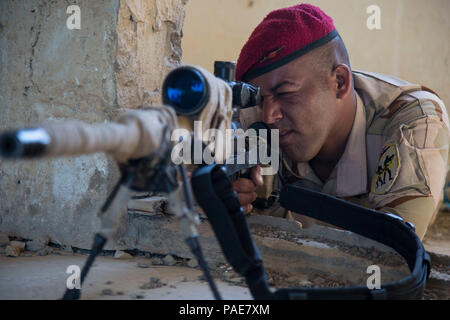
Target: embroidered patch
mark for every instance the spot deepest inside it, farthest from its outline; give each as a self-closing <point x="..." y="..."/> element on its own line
<point x="272" y="54"/>
<point x="387" y="169"/>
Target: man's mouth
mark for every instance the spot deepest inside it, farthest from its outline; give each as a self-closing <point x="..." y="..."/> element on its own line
<point x="284" y="134"/>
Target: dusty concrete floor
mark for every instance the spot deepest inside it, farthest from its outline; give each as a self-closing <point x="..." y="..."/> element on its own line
<point x="286" y="257"/>
<point x="44" y="277"/>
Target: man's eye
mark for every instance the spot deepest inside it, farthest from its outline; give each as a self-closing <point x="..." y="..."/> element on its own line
<point x="283" y="93"/>
<point x="261" y="102"/>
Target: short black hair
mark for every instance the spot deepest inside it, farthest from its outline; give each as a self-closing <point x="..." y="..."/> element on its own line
<point x="328" y="56"/>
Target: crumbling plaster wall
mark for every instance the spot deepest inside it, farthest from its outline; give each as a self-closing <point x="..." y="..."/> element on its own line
<point x="149" y="46"/>
<point x="117" y="60"/>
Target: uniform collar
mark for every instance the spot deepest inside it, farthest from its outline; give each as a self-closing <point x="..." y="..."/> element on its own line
<point x="349" y="176"/>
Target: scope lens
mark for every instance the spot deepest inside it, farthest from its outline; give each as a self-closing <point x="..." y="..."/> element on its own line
<point x="185" y="90"/>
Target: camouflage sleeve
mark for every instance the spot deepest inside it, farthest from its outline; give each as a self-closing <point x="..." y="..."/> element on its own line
<point x="413" y="164"/>
<point x="420" y="211"/>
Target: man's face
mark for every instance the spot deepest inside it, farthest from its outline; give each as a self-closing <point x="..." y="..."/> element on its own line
<point x="301" y="104"/>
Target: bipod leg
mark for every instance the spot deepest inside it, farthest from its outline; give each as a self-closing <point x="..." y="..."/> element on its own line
<point x="99" y="239"/>
<point x="97" y="247"/>
<point x="192" y="239"/>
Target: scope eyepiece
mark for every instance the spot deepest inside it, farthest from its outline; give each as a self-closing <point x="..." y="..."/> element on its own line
<point x="245" y="95"/>
<point x="186" y="90"/>
<point x="225" y="70"/>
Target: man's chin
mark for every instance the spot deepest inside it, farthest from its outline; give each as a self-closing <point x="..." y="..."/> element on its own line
<point x="296" y="154"/>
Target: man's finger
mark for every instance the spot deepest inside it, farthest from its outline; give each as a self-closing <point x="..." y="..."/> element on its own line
<point x="248" y="208"/>
<point x="256" y="175"/>
<point x="243" y="185"/>
<point x="246" y="198"/>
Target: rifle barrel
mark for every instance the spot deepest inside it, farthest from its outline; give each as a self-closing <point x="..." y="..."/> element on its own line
<point x="24" y="143"/>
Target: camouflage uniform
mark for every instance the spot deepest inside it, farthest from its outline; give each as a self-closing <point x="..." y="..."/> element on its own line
<point x="396" y="157"/>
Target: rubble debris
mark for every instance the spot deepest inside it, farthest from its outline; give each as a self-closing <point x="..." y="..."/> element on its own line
<point x="305" y="283"/>
<point x="14" y="248"/>
<point x="107" y="292"/>
<point x="157" y="261"/>
<point x="237" y="280"/>
<point x="45" y="251"/>
<point x="319" y="280"/>
<point x="12" y="251"/>
<point x="143" y="265"/>
<point x="153" y="284"/>
<point x="169" y="260"/>
<point x="122" y="255"/>
<point x="67" y="249"/>
<point x="18" y="244"/>
<point x="37" y="244"/>
<point x="157" y="280"/>
<point x="64" y="251"/>
<point x="193" y="263"/>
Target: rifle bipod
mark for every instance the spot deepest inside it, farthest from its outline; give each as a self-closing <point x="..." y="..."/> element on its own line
<point x="154" y="173"/>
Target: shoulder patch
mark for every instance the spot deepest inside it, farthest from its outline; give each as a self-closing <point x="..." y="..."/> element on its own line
<point x="387" y="169"/>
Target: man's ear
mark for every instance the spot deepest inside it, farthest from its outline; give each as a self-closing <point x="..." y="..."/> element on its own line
<point x="343" y="80"/>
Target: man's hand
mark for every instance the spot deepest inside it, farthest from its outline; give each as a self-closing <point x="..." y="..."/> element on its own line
<point x="245" y="188"/>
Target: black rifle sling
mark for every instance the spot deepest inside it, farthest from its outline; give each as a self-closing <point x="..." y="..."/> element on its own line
<point x="383" y="227"/>
<point x="215" y="195"/>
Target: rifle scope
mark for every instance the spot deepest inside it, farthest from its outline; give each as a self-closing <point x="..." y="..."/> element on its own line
<point x="187" y="91"/>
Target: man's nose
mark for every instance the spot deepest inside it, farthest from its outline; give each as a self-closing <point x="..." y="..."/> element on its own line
<point x="271" y="112"/>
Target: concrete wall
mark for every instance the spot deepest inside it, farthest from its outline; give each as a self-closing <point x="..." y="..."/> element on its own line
<point x="116" y="60"/>
<point x="412" y="43"/>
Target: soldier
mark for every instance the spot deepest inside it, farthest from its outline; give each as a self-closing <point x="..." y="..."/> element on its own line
<point x="368" y="138"/>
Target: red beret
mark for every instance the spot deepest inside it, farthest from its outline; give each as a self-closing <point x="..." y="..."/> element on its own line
<point x="284" y="35"/>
